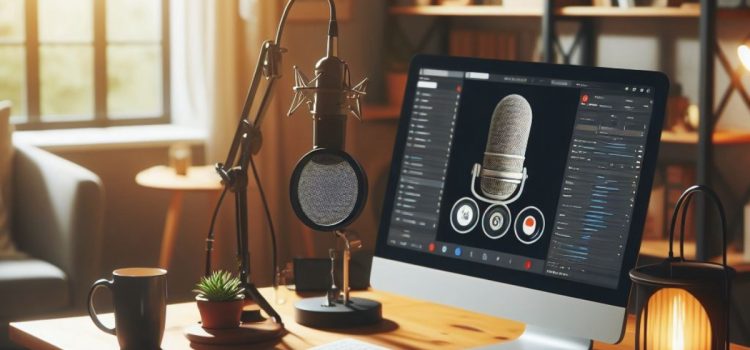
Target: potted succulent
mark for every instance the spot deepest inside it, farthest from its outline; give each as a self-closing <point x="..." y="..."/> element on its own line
<point x="220" y="299"/>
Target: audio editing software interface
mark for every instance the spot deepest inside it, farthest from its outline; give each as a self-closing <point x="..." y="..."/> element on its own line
<point x="526" y="173"/>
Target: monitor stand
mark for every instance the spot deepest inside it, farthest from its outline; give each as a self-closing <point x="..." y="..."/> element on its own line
<point x="540" y="338"/>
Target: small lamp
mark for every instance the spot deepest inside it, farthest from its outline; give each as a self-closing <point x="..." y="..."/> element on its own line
<point x="744" y="52"/>
<point x="684" y="304"/>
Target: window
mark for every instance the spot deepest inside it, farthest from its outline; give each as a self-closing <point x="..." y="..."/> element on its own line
<point x="85" y="63"/>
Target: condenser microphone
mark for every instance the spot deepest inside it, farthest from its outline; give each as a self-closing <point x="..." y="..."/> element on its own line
<point x="328" y="188"/>
<point x="502" y="169"/>
<point x="330" y="96"/>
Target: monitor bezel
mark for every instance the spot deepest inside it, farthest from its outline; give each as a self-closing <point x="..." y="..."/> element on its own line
<point x="615" y="297"/>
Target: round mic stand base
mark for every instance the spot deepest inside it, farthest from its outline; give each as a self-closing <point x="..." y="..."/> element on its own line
<point x="316" y="313"/>
<point x="338" y="310"/>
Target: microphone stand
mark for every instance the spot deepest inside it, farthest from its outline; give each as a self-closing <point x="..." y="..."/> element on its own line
<point x="233" y="172"/>
<point x="248" y="141"/>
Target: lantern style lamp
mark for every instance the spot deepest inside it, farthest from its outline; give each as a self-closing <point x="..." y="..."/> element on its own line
<point x="744" y="52"/>
<point x="682" y="304"/>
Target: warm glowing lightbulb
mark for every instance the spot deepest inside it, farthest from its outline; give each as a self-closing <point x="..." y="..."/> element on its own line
<point x="678" y="323"/>
<point x="675" y="320"/>
<point x="744" y="52"/>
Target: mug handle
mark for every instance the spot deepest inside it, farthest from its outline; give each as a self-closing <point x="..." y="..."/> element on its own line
<point x="92" y="312"/>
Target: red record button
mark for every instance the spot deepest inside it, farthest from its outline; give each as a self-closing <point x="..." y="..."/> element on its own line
<point x="431" y="247"/>
<point x="527" y="264"/>
<point x="529" y="225"/>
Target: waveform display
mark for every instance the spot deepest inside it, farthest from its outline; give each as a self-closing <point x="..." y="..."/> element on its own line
<point x="599" y="186"/>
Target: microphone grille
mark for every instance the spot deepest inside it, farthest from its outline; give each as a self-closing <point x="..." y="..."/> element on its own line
<point x="510" y="126"/>
<point x="508" y="135"/>
<point x="327" y="190"/>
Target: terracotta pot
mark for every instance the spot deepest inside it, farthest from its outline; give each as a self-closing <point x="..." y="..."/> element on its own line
<point x="220" y="314"/>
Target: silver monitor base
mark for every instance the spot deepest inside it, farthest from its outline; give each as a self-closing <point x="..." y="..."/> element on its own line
<point x="534" y="338"/>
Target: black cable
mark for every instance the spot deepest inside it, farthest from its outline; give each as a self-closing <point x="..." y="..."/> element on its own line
<point x="268" y="218"/>
<point x="210" y="237"/>
<point x="333" y="27"/>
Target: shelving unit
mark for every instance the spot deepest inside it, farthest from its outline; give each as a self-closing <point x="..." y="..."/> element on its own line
<point x="706" y="14"/>
<point x="586" y="16"/>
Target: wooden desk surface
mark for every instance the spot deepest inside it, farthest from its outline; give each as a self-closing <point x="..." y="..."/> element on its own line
<point x="408" y="324"/>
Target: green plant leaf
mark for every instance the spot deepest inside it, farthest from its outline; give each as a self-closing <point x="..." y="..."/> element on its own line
<point x="220" y="286"/>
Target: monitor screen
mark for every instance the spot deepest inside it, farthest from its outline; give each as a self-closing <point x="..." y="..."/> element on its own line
<point x="525" y="174"/>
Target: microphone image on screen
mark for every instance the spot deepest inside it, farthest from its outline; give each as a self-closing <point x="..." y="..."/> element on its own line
<point x="502" y="173"/>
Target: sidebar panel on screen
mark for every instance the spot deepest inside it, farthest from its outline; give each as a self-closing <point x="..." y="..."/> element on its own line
<point x="601" y="179"/>
<point x="430" y="134"/>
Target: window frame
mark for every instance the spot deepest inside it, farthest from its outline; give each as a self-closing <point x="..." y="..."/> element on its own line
<point x="100" y="117"/>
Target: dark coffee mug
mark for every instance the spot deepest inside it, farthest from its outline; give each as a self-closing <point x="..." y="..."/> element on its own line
<point x="140" y="300"/>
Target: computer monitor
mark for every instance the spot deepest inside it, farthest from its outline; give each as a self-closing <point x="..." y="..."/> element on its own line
<point x="520" y="190"/>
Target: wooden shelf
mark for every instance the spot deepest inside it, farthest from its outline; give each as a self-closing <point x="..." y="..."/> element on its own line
<point x="646" y="12"/>
<point x="660" y="12"/>
<point x="465" y="11"/>
<point x="720" y="137"/>
<point x="567" y="11"/>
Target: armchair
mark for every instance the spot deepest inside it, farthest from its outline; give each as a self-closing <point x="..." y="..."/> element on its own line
<point x="58" y="209"/>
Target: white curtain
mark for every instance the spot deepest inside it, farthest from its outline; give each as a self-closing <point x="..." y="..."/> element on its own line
<point x="213" y="57"/>
<point x="204" y="61"/>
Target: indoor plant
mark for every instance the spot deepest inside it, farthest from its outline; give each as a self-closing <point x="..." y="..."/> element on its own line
<point x="220" y="299"/>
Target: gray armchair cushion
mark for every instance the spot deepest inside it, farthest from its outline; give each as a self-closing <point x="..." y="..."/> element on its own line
<point x="29" y="287"/>
<point x="58" y="215"/>
<point x="7" y="249"/>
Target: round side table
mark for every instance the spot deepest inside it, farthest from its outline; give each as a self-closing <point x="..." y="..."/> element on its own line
<point x="197" y="179"/>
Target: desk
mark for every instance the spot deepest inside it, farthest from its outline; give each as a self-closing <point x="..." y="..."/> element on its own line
<point x="409" y="324"/>
<point x="197" y="179"/>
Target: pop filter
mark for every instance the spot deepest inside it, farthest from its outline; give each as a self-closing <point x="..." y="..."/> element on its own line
<point x="328" y="189"/>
